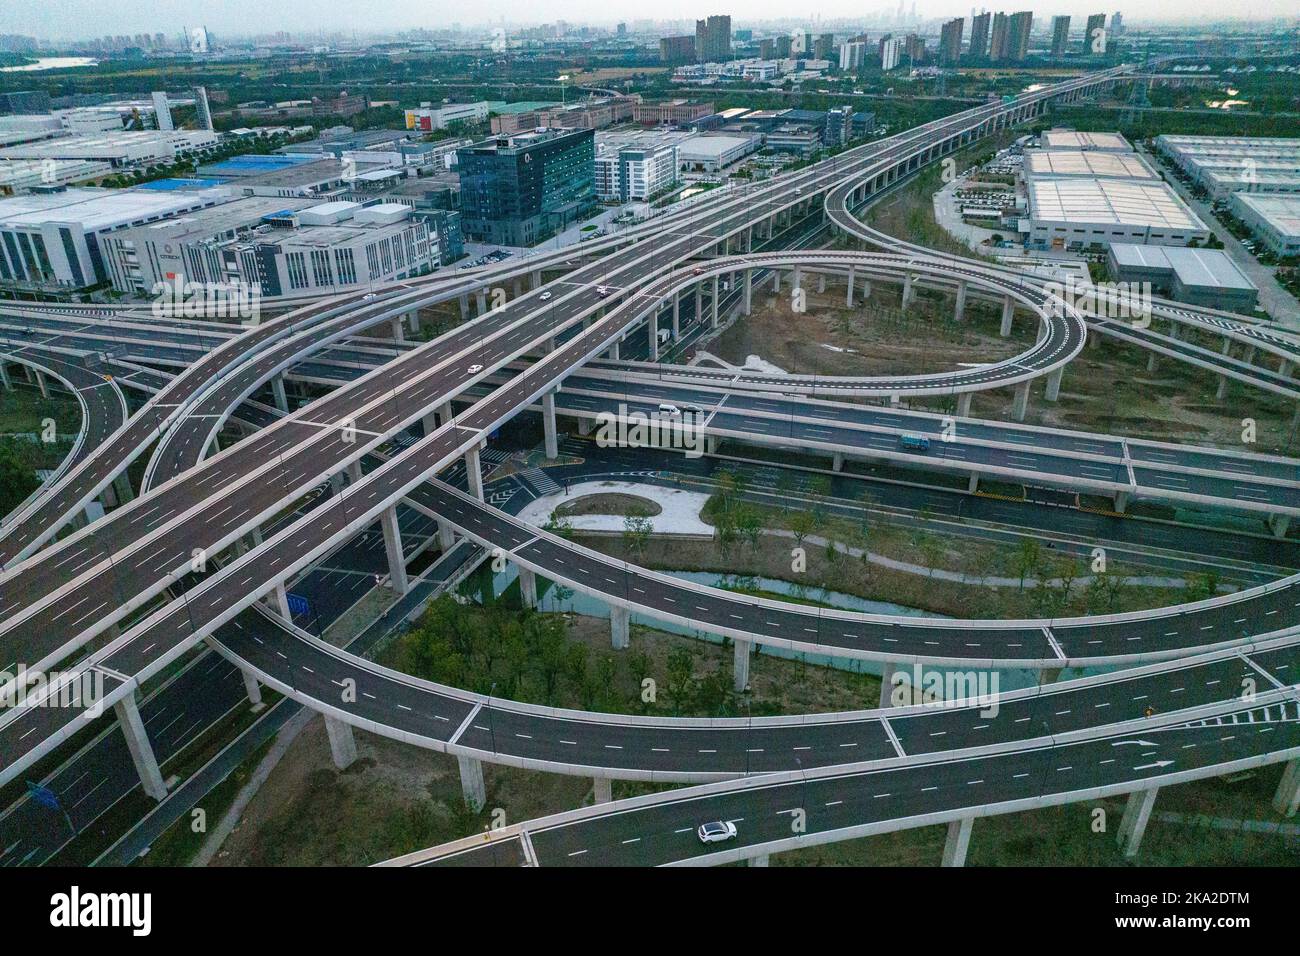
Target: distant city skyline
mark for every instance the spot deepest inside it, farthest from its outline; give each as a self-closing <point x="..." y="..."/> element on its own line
<point x="70" y="20"/>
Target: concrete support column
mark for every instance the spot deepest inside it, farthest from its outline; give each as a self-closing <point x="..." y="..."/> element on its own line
<point x="677" y="316"/>
<point x="620" y="630"/>
<point x="1278" y="524"/>
<point x="958" y="841"/>
<point x="445" y="413"/>
<point x="5" y="380"/>
<point x="43" y="383"/>
<point x="760" y="860"/>
<point x="699" y="302"/>
<point x="137" y="742"/>
<point x="959" y="310"/>
<point x="548" y="426"/>
<point x="393" y="546"/>
<point x="963" y="404"/>
<point x="1021" y="404"/>
<point x="614" y="350"/>
<point x="1134" y="822"/>
<point x="796" y="279"/>
<point x="1221" y="389"/>
<point x="1287" y="799"/>
<point x="714" y="304"/>
<point x="527" y="588"/>
<point x="652" y="334"/>
<point x="397" y="334"/>
<point x="848" y="295"/>
<point x="837" y="461"/>
<point x="343" y="744"/>
<point x="749" y="292"/>
<point x="472" y="787"/>
<point x="480" y="300"/>
<point x="1121" y="502"/>
<point x="122" y="488"/>
<point x="821" y="282"/>
<point x="535" y="277"/>
<point x="1151" y="362"/>
<point x="464" y="307"/>
<point x="446" y="535"/>
<point x="973" y="483"/>
<point x="278" y="599"/>
<point x="602" y="789"/>
<point x="740" y="664"/>
<point x="1054" y="384"/>
<point x="584" y="426"/>
<point x="776" y="280"/>
<point x="252" y="688"/>
<point x="1283" y="369"/>
<point x="907" y="290"/>
<point x="474" y="473"/>
<point x="277" y="390"/>
<point x="429" y="422"/>
<point x="887" y="684"/>
<point x="355" y="473"/>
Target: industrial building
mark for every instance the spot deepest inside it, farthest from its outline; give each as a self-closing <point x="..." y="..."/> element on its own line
<point x="1073" y="139"/>
<point x="430" y="117"/>
<point x="670" y="112"/>
<point x="20" y="175"/>
<point x="636" y="165"/>
<point x="1204" y="277"/>
<point x="300" y="248"/>
<point x="1085" y="212"/>
<point x="284" y="175"/>
<point x="119" y="149"/>
<point x="715" y="152"/>
<point x="1075" y="163"/>
<point x="519" y="190"/>
<point x="52" y="239"/>
<point x="1227" y="164"/>
<point x="1274" y="219"/>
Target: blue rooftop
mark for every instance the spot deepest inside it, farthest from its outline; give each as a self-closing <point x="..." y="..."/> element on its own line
<point x="169" y="185"/>
<point x="253" y="163"/>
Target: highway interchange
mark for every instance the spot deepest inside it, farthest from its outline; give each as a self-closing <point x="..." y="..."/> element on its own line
<point x="93" y="578"/>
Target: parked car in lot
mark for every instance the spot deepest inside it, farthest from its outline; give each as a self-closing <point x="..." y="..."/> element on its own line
<point x="717" y="831"/>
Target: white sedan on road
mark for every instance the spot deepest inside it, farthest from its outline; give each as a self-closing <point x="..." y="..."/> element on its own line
<point x="718" y="831"/>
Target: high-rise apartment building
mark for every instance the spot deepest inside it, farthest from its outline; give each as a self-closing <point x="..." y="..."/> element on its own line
<point x="677" y="51"/>
<point x="1094" y="37"/>
<point x="1019" y="25"/>
<point x="950" y="41"/>
<point x="979" y="35"/>
<point x="998" y="36"/>
<point x="713" y="39"/>
<point x="1060" y="34"/>
<point x="891" y="52"/>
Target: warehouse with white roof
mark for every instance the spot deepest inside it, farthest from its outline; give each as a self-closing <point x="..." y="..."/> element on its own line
<point x="1205" y="277"/>
<point x="1079" y="213"/>
<point x="1275" y="219"/>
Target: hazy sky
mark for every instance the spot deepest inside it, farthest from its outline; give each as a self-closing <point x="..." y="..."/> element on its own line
<point x="70" y="19"/>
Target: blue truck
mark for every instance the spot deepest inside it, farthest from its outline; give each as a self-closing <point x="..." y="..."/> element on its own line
<point x="914" y="442"/>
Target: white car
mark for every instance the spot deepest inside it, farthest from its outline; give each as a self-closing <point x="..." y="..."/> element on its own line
<point x="667" y="408"/>
<point x="718" y="831"/>
<point x="368" y="297"/>
<point x="603" y="290"/>
<point x="544" y="296"/>
<point x="475" y="369"/>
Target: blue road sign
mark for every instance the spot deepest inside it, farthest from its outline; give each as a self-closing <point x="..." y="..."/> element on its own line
<point x="298" y="604"/>
<point x="43" y="795"/>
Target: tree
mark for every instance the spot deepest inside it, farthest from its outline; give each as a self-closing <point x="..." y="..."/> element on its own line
<point x="1027" y="558"/>
<point x="636" y="534"/>
<point x="749" y="524"/>
<point x="801" y="523"/>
